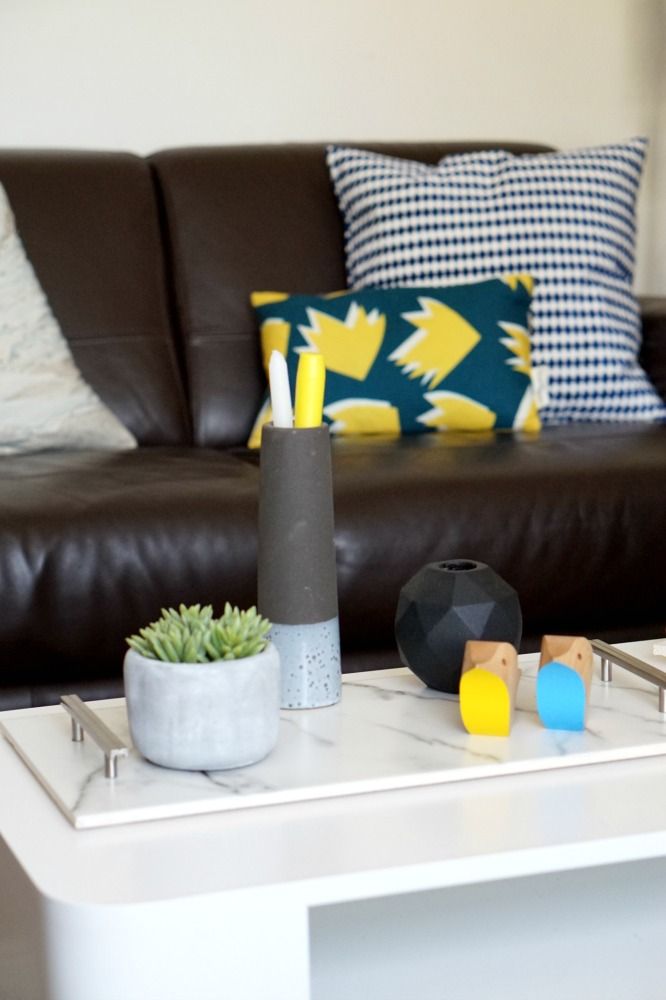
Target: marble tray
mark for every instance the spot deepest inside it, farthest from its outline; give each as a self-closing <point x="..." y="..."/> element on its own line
<point x="388" y="732"/>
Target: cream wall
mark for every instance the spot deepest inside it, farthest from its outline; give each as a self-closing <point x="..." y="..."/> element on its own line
<point x="144" y="74"/>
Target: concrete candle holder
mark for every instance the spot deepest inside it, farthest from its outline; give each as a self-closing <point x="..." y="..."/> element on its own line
<point x="297" y="581"/>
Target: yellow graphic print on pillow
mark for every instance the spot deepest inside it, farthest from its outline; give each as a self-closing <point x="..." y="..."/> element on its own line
<point x="452" y="411"/>
<point x="349" y="346"/>
<point x="363" y="416"/>
<point x="442" y="340"/>
<point x="274" y="337"/>
<point x="518" y="342"/>
<point x="513" y="280"/>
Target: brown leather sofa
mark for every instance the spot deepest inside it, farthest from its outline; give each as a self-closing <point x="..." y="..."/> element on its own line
<point x="148" y="263"/>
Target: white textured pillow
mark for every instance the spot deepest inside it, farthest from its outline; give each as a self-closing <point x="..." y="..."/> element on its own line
<point x="44" y="401"/>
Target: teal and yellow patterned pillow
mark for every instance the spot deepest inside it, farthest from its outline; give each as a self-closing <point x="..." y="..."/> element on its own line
<point x="410" y="360"/>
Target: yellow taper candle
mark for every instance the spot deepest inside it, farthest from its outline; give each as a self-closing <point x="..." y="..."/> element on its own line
<point x="310" y="382"/>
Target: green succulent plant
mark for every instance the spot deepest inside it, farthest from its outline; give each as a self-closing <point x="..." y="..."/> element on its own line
<point x="193" y="635"/>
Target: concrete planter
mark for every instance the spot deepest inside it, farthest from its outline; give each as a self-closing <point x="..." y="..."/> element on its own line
<point x="203" y="716"/>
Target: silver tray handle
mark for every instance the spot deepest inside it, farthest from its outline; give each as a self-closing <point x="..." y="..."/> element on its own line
<point x="609" y="655"/>
<point x="84" y="719"/>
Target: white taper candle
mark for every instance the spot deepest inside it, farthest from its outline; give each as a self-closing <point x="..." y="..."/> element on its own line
<point x="278" y="377"/>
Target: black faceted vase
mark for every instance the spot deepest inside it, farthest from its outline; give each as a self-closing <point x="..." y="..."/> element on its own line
<point x="444" y="605"/>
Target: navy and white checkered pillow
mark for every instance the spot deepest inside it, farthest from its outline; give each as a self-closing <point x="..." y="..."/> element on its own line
<point x="566" y="218"/>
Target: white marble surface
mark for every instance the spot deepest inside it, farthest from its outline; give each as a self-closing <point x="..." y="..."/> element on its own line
<point x="388" y="732"/>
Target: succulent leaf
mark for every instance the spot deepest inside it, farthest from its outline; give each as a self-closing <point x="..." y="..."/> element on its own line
<point x="193" y="635"/>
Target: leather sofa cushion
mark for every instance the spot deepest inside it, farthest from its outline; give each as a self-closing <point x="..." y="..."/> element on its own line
<point x="572" y="518"/>
<point x="94" y="544"/>
<point x="89" y="223"/>
<point x="653" y="347"/>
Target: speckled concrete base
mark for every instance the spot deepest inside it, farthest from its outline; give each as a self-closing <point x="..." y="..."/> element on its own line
<point x="310" y="663"/>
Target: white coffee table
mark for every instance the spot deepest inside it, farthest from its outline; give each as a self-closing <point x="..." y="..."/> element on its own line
<point x="546" y="884"/>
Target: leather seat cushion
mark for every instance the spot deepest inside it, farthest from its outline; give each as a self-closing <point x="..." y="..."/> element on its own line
<point x="94" y="545"/>
<point x="572" y="518"/>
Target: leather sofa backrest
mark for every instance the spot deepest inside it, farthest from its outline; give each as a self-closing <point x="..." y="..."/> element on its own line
<point x="239" y="219"/>
<point x="653" y="346"/>
<point x="90" y="226"/>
